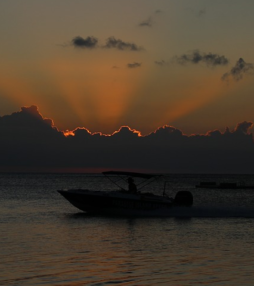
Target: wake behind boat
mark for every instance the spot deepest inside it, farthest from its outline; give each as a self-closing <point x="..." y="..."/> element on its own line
<point x="127" y="202"/>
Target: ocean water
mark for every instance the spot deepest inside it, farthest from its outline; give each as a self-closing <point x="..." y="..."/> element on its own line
<point x="46" y="241"/>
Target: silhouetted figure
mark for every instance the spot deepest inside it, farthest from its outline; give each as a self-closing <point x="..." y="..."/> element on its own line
<point x="132" y="186"/>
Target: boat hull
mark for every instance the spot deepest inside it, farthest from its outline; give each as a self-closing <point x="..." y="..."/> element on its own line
<point x="117" y="203"/>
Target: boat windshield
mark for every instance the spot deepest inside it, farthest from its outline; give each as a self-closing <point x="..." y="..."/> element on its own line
<point x="116" y="176"/>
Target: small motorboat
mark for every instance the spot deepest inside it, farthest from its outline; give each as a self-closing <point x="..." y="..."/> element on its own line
<point x="127" y="202"/>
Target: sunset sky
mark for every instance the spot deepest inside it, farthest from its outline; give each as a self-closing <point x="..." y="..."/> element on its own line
<point x="101" y="64"/>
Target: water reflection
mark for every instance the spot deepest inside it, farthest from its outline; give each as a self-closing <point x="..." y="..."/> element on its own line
<point x="44" y="241"/>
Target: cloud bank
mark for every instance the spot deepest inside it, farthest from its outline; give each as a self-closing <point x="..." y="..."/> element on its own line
<point x="30" y="142"/>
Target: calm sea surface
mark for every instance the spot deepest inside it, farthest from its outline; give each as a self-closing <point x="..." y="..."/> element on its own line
<point x="46" y="241"/>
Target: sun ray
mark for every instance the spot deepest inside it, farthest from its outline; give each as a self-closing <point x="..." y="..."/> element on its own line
<point x="197" y="97"/>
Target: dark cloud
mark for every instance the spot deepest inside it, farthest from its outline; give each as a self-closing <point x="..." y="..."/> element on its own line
<point x="201" y="12"/>
<point x="244" y="127"/>
<point x="240" y="69"/>
<point x="30" y="142"/>
<point x="196" y="57"/>
<point x="147" y="23"/>
<point x="26" y="120"/>
<point x="113" y="43"/>
<point x="89" y="42"/>
<point x="134" y="65"/>
<point x="161" y="63"/>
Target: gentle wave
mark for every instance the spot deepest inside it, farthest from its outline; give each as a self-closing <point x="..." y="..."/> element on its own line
<point x="46" y="241"/>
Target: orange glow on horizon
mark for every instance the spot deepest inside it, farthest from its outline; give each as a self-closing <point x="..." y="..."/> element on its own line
<point x="17" y="89"/>
<point x="134" y="131"/>
<point x="108" y="98"/>
<point x="100" y="96"/>
<point x="72" y="132"/>
<point x="196" y="99"/>
<point x="68" y="133"/>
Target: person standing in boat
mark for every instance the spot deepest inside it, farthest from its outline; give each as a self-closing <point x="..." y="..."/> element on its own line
<point x="132" y="186"/>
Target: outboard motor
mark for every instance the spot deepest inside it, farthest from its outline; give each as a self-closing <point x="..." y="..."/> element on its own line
<point x="183" y="198"/>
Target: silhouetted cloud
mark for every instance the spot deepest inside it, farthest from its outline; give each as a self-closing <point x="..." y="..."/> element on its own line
<point x="161" y="63"/>
<point x="113" y="43"/>
<point x="134" y="65"/>
<point x="30" y="142"/>
<point x="197" y="57"/>
<point x="201" y="12"/>
<point x="244" y="127"/>
<point x="89" y="42"/>
<point x="240" y="69"/>
<point x="147" y="23"/>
